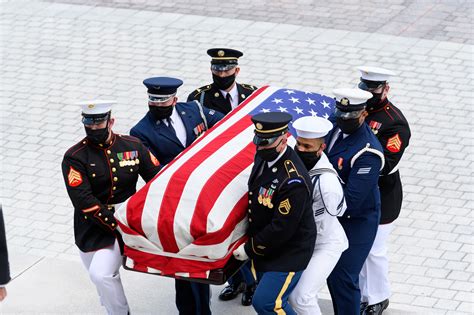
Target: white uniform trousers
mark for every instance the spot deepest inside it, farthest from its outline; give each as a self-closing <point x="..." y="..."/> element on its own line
<point x="103" y="267"/>
<point x="373" y="279"/>
<point x="304" y="297"/>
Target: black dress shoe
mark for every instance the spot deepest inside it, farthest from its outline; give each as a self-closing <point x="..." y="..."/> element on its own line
<point x="376" y="309"/>
<point x="248" y="295"/>
<point x="230" y="292"/>
<point x="363" y="306"/>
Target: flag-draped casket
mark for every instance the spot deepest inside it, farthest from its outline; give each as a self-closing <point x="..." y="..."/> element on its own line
<point x="187" y="220"/>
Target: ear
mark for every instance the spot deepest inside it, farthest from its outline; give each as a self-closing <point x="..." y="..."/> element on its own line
<point x="237" y="70"/>
<point x="111" y="123"/>
<point x="385" y="91"/>
<point x="175" y="100"/>
<point x="323" y="146"/>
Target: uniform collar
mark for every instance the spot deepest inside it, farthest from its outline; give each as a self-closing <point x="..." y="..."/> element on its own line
<point x="234" y="93"/>
<point x="271" y="163"/>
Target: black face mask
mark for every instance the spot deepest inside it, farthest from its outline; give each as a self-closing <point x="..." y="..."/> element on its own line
<point x="223" y="83"/>
<point x="309" y="158"/>
<point x="375" y="102"/>
<point x="97" y="136"/>
<point x="161" y="112"/>
<point x="348" y="126"/>
<point x="268" y="155"/>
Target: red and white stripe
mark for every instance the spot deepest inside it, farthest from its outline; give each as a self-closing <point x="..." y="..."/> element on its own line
<point x="192" y="215"/>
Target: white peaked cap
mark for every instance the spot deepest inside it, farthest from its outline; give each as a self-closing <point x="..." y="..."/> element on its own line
<point x="96" y="107"/>
<point x="355" y="96"/>
<point x="310" y="127"/>
<point x="375" y="73"/>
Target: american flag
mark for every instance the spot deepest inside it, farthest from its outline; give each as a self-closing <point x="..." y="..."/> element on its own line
<point x="192" y="215"/>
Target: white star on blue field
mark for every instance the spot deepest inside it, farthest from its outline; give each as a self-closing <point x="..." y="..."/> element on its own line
<point x="297" y="103"/>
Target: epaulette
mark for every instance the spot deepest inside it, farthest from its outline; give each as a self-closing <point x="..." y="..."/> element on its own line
<point x="200" y="90"/>
<point x="127" y="137"/>
<point x="249" y="87"/>
<point x="78" y="146"/>
<point x="291" y="169"/>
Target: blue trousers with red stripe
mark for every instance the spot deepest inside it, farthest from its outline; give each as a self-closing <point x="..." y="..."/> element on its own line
<point x="273" y="291"/>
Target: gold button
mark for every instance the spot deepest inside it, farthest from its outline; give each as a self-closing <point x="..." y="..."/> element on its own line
<point x="100" y="144"/>
<point x="84" y="142"/>
<point x="250" y="219"/>
<point x="131" y="170"/>
<point x="113" y="224"/>
<point x="100" y="214"/>
<point x="115" y="179"/>
<point x="114" y="188"/>
<point x="114" y="169"/>
<point x="108" y="152"/>
<point x="111" y="196"/>
<point x="111" y="160"/>
<point x="250" y="211"/>
<point x="93" y="174"/>
<point x="250" y="193"/>
<point x="250" y="201"/>
<point x="85" y="217"/>
<point x="106" y="219"/>
<point x="137" y="161"/>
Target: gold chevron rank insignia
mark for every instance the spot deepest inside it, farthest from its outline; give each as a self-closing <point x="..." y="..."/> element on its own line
<point x="284" y="207"/>
<point x="394" y="144"/>
<point x="74" y="177"/>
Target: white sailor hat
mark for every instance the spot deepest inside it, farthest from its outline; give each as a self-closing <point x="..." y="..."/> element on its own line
<point x="310" y="127"/>
<point x="373" y="77"/>
<point x="350" y="102"/>
<point x="95" y="111"/>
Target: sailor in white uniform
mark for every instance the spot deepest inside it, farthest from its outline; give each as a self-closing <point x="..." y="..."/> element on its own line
<point x="328" y="203"/>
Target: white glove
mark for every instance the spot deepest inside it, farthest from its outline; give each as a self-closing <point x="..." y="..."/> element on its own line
<point x="240" y="253"/>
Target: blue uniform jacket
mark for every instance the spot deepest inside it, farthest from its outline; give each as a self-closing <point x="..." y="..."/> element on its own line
<point x="162" y="141"/>
<point x="358" y="159"/>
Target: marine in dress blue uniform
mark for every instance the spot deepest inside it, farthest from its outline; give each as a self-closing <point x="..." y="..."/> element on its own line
<point x="393" y="131"/>
<point x="281" y="230"/>
<point x="224" y="94"/>
<point x="100" y="172"/>
<point x="154" y="129"/>
<point x="357" y="156"/>
<point x="167" y="129"/>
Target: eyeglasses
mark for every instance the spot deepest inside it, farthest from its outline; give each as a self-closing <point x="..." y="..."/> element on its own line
<point x="372" y="88"/>
<point x="94" y="120"/>
<point x="263" y="142"/>
<point x="222" y="67"/>
<point x="154" y="98"/>
<point x="348" y="115"/>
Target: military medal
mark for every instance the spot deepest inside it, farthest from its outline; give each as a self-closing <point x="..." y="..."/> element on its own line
<point x="260" y="195"/>
<point x="375" y="126"/>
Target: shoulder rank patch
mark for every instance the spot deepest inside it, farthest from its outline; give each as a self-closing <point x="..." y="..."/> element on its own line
<point x="291" y="181"/>
<point x="201" y="89"/>
<point x="74" y="178"/>
<point x="154" y="160"/>
<point x="249" y="87"/>
<point x="394" y="144"/>
<point x="284" y="206"/>
<point x="364" y="170"/>
<point x="291" y="169"/>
